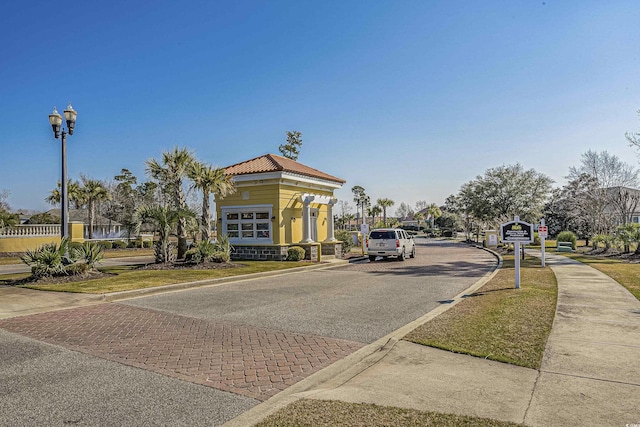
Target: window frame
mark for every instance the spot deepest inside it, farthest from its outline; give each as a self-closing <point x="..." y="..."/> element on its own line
<point x="247" y="229"/>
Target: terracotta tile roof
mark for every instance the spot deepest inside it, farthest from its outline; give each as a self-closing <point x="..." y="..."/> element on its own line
<point x="275" y="163"/>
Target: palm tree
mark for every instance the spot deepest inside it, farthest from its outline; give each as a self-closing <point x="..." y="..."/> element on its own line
<point x="8" y="219"/>
<point x="418" y="216"/>
<point x="94" y="192"/>
<point x="384" y="204"/>
<point x="433" y="211"/>
<point x="74" y="192"/>
<point x="170" y="173"/>
<point x="209" y="180"/>
<point x="374" y="211"/>
<point x="165" y="220"/>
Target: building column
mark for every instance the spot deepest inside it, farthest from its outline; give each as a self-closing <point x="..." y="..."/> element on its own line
<point x="306" y="219"/>
<point x="330" y="232"/>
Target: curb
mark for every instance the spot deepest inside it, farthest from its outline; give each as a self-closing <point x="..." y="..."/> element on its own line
<point x="349" y="367"/>
<point x="124" y="295"/>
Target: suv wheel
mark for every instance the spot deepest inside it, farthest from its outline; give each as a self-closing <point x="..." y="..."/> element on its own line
<point x="413" y="252"/>
<point x="372" y="258"/>
<point x="402" y="256"/>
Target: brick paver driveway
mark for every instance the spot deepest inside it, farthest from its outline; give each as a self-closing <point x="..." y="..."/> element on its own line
<point x="255" y="338"/>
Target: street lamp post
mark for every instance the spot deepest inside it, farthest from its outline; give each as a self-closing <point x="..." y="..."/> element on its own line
<point x="56" y="124"/>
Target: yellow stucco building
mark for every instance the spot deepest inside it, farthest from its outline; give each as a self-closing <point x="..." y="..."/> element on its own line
<point x="279" y="203"/>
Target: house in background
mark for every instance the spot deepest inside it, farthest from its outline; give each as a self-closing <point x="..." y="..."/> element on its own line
<point x="103" y="227"/>
<point x="279" y="203"/>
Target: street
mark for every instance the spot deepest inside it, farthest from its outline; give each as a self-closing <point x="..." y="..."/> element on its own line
<point x="203" y="356"/>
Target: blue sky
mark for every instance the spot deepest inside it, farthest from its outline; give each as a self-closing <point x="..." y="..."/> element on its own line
<point x="409" y="99"/>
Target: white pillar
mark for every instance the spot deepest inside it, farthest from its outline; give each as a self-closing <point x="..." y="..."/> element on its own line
<point x="306" y="219"/>
<point x="330" y="235"/>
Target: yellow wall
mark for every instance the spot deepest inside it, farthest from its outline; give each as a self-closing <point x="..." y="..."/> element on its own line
<point x="21" y="244"/>
<point x="24" y="243"/>
<point x="286" y="203"/>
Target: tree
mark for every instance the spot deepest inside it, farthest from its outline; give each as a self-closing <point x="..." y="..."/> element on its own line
<point x="384" y="204"/>
<point x="291" y="150"/>
<point x="74" y="193"/>
<point x="43" y="218"/>
<point x="4" y="196"/>
<point x="607" y="168"/>
<point x="165" y="219"/>
<point x="634" y="137"/>
<point x="404" y="211"/>
<point x="360" y="198"/>
<point x="169" y="173"/>
<point x="421" y="204"/>
<point x="8" y="219"/>
<point x="577" y="207"/>
<point x="209" y="180"/>
<point x="418" y="216"/>
<point x="504" y="192"/>
<point x="434" y="212"/>
<point x="374" y="211"/>
<point x="93" y="192"/>
<point x="610" y="199"/>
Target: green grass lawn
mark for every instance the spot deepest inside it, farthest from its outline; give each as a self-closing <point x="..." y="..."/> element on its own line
<point x="130" y="277"/>
<point x="499" y="322"/>
<point x="330" y="413"/>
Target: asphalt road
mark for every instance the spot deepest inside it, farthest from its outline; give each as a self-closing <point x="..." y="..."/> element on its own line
<point x="201" y="357"/>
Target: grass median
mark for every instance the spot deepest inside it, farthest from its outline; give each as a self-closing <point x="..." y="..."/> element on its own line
<point x="329" y="413"/>
<point x="125" y="278"/>
<point x="499" y="322"/>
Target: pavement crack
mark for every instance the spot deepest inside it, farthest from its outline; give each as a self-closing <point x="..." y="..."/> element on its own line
<point x="533" y="392"/>
<point x="584" y="377"/>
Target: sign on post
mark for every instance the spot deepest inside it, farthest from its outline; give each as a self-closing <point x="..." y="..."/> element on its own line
<point x="516" y="232"/>
<point x="543" y="231"/>
<point x="542" y="234"/>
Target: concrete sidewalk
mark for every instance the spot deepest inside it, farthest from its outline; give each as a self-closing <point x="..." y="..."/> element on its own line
<point x="590" y="374"/>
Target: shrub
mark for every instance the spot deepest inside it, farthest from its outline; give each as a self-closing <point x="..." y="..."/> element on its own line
<point x="77" y="268"/>
<point x="147" y="243"/>
<point x="219" y="256"/>
<point x="200" y="252"/>
<point x="193" y="256"/>
<point x="222" y="245"/>
<point x="536" y="239"/>
<point x="295" y="253"/>
<point x="106" y="245"/>
<point x="90" y="253"/>
<point x="47" y="260"/>
<point x="567" y="236"/>
<point x="119" y="244"/>
<point x="51" y="260"/>
<point x="347" y="241"/>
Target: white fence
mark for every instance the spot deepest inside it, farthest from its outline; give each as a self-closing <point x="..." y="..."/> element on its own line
<point x="36" y="230"/>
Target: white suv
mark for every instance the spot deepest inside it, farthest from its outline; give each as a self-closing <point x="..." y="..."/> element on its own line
<point x="387" y="242"/>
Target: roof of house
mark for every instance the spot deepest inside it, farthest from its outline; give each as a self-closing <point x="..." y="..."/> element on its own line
<point x="275" y="163"/>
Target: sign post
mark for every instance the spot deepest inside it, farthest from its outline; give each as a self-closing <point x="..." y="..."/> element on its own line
<point x="516" y="232"/>
<point x="542" y="234"/>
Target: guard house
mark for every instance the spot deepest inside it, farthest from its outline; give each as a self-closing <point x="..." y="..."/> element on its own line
<point x="279" y="203"/>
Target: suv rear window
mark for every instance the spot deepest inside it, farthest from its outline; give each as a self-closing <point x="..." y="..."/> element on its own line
<point x="382" y="235"/>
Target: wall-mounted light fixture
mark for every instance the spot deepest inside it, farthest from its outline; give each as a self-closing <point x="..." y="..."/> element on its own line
<point x="273" y="218"/>
<point x="293" y="219"/>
